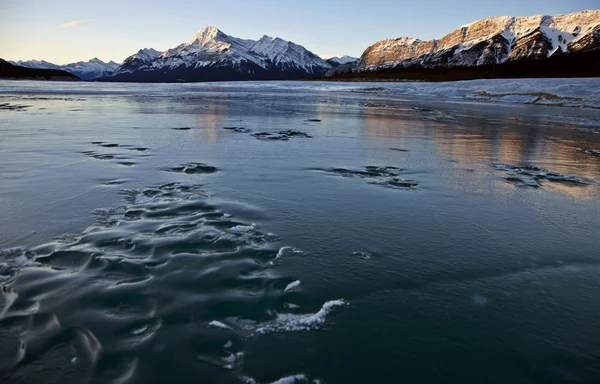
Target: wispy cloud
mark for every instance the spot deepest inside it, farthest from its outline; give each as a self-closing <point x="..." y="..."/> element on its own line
<point x="75" y="23"/>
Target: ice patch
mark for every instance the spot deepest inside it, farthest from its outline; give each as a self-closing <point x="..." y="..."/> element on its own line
<point x="218" y="324"/>
<point x="242" y="229"/>
<point x="363" y="255"/>
<point x="14" y="258"/>
<point x="286" y="251"/>
<point x="228" y="344"/>
<point x="292" y="285"/>
<point x="291" y="379"/>
<point x="287" y="322"/>
<point x="139" y="331"/>
<point x="233" y="358"/>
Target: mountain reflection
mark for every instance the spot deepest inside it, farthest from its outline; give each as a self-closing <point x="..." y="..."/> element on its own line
<point x="471" y="144"/>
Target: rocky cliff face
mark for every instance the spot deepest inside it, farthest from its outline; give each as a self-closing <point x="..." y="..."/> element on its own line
<point x="493" y="40"/>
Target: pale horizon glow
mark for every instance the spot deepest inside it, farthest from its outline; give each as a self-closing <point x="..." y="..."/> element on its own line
<point x="67" y="31"/>
<point x="74" y="23"/>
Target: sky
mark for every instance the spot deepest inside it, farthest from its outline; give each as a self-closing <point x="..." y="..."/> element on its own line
<point x="65" y="31"/>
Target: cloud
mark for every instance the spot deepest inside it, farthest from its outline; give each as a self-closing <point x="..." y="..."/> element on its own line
<point x="75" y="23"/>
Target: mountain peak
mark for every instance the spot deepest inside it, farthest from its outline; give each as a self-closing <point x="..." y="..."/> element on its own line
<point x="339" y="59"/>
<point x="148" y="52"/>
<point x="206" y="35"/>
<point x="211" y="53"/>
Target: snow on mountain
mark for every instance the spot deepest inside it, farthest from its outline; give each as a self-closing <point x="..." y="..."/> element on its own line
<point x="134" y="62"/>
<point x="492" y="40"/>
<point x="340" y="60"/>
<point x="209" y="47"/>
<point x="86" y="70"/>
<point x="36" y="64"/>
<point x="213" y="55"/>
<point x="286" y="54"/>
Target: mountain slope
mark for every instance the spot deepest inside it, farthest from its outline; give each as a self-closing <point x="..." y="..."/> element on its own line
<point x="85" y="70"/>
<point x="491" y="41"/>
<point x="212" y="55"/>
<point x="11" y="71"/>
<point x="134" y="62"/>
<point x="287" y="55"/>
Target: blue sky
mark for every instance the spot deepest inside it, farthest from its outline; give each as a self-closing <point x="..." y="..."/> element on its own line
<point x="64" y="31"/>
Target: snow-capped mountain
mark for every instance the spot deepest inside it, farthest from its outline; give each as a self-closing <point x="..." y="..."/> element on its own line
<point x="287" y="55"/>
<point x="134" y="62"/>
<point x="335" y="61"/>
<point x="10" y="71"/>
<point x="212" y="55"/>
<point x="36" y="64"/>
<point x="494" y="40"/>
<point x="85" y="70"/>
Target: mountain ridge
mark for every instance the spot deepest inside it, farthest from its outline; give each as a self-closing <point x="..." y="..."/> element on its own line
<point x="212" y="55"/>
<point x="85" y="70"/>
<point x="490" y="41"/>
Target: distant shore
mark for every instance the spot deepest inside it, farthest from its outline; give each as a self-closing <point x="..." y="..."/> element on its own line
<point x="574" y="65"/>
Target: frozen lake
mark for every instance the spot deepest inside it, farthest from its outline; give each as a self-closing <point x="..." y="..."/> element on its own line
<point x="306" y="231"/>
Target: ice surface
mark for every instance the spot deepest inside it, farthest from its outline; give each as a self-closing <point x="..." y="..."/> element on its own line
<point x="568" y="92"/>
<point x="558" y="92"/>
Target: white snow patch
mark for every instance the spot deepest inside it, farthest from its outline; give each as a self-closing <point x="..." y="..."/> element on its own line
<point x="287" y="322"/>
<point x="241" y="229"/>
<point x="292" y="285"/>
<point x="218" y="324"/>
<point x="291" y="379"/>
<point x="139" y="331"/>
<point x="288" y="251"/>
<point x="233" y="357"/>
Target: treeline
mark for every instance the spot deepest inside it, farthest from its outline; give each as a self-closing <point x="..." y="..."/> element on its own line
<point x="10" y="71"/>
